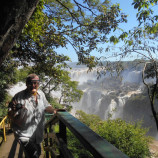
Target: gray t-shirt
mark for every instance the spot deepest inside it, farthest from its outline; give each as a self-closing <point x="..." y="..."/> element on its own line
<point x="32" y="127"/>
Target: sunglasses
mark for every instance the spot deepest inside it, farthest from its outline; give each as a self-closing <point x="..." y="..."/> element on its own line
<point x="34" y="82"/>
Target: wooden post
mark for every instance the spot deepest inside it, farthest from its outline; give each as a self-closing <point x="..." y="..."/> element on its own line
<point x="50" y="139"/>
<point x="62" y="134"/>
<point x="62" y="131"/>
<point x="46" y="143"/>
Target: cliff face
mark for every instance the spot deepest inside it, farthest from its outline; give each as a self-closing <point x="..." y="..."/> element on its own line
<point x="137" y="108"/>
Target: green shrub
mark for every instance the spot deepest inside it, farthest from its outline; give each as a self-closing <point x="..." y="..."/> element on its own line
<point x="53" y="102"/>
<point x="76" y="148"/>
<point x="130" y="138"/>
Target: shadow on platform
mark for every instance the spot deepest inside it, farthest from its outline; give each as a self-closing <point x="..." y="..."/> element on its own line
<point x="13" y="150"/>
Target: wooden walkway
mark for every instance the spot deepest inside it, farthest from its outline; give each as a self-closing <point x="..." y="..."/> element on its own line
<point x="12" y="149"/>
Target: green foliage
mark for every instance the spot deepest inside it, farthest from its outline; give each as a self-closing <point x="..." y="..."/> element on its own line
<point x="59" y="23"/>
<point x="4" y="104"/>
<point x="123" y="35"/>
<point x="59" y="80"/>
<point x="146" y="15"/>
<point x="114" y="39"/>
<point x="87" y="119"/>
<point x="90" y="61"/>
<point x="8" y="77"/>
<point x="69" y="91"/>
<point x="54" y="102"/>
<point x="23" y="73"/>
<point x="76" y="148"/>
<point x="130" y="138"/>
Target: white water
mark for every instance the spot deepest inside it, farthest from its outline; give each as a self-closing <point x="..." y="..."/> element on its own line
<point x="113" y="96"/>
<point x="16" y="88"/>
<point x="109" y="96"/>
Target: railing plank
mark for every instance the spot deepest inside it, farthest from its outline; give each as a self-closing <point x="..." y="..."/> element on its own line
<point x="62" y="131"/>
<point x="54" y="119"/>
<point x="46" y="143"/>
<point x="99" y="147"/>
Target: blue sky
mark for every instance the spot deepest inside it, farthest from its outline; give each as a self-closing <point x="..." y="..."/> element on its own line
<point x="127" y="7"/>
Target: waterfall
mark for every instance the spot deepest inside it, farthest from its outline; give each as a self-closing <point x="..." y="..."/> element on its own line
<point x="122" y="98"/>
<point x="108" y="95"/>
<point x="16" y="88"/>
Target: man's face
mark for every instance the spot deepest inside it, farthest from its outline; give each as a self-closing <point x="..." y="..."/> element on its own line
<point x="33" y="85"/>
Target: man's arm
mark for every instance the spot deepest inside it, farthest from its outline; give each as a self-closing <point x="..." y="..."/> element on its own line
<point x="17" y="113"/>
<point x="11" y="114"/>
<point x="12" y="109"/>
<point x="50" y="109"/>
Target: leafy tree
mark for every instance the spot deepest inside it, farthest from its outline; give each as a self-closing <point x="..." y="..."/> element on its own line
<point x="130" y="138"/>
<point x="69" y="92"/>
<point x="60" y="81"/>
<point x="54" y="103"/>
<point x="8" y="76"/>
<point x="76" y="148"/>
<point x="82" y="25"/>
<point x="88" y="119"/>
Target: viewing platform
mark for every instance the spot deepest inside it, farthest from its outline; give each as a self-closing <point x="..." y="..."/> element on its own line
<point x="55" y="144"/>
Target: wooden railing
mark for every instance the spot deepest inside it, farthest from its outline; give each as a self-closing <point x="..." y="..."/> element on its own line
<point x="96" y="145"/>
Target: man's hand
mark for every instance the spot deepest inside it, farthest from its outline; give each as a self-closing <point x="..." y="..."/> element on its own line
<point x="50" y="109"/>
<point x="14" y="108"/>
<point x="12" y="105"/>
<point x="55" y="111"/>
<point x="17" y="113"/>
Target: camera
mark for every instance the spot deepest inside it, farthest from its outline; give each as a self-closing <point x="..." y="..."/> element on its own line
<point x="18" y="106"/>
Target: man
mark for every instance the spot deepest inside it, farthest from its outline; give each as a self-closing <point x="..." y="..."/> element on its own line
<point x="26" y="111"/>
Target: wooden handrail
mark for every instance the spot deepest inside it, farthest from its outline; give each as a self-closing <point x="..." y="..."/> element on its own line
<point x="2" y="123"/>
<point x="96" y="145"/>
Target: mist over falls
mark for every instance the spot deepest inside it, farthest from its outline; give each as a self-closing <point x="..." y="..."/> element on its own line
<point x="124" y="98"/>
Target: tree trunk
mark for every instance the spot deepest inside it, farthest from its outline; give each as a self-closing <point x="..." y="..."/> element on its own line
<point x="151" y="93"/>
<point x="14" y="14"/>
<point x="154" y="114"/>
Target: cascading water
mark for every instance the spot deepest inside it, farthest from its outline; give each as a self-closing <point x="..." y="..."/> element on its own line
<point x="109" y="95"/>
